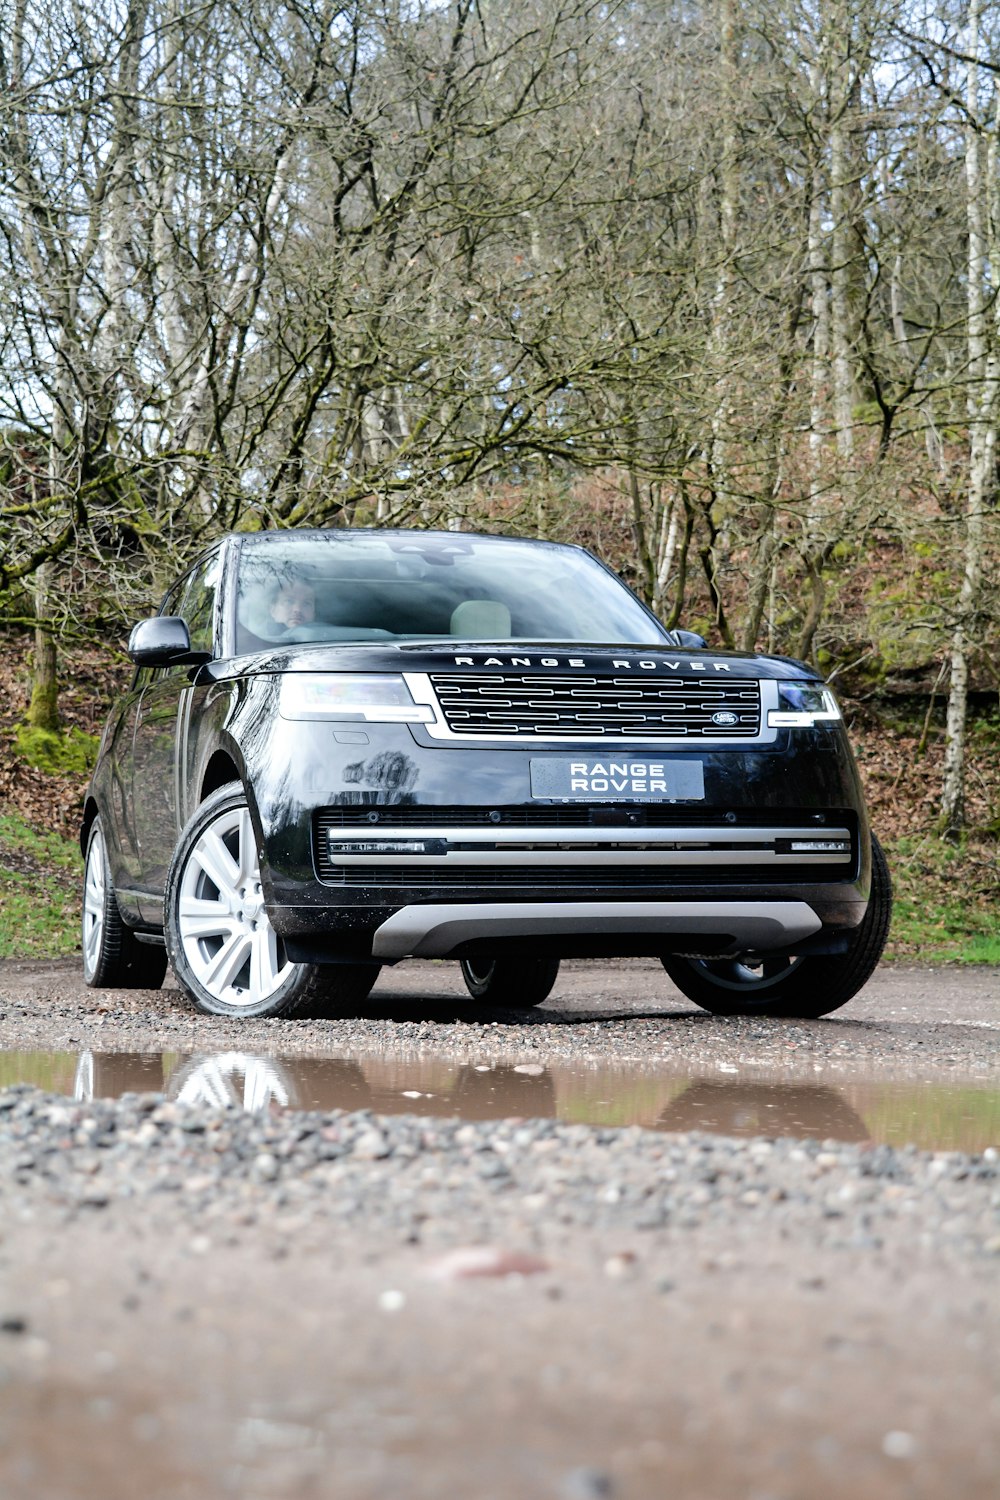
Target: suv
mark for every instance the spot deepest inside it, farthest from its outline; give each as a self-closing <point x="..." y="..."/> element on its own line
<point x="344" y="748"/>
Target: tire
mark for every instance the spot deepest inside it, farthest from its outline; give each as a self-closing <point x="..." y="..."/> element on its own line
<point x="224" y="951"/>
<point x="113" y="957"/>
<point x="809" y="985"/>
<point x="520" y="982"/>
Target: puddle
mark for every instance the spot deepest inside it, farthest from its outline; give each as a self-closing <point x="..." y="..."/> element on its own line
<point x="933" y="1117"/>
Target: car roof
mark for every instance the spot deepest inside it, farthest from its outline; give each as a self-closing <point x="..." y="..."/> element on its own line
<point x="342" y="533"/>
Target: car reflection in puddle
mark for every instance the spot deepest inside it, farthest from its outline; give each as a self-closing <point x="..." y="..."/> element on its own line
<point x="935" y="1117"/>
<point x="725" y="1107"/>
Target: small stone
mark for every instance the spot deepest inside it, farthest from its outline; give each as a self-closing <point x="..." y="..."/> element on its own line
<point x="587" y="1484"/>
<point x="391" y="1300"/>
<point x="266" y="1167"/>
<point x="204" y="1183"/>
<point x="484" y="1260"/>
<point x="620" y="1265"/>
<point x="532" y="1070"/>
<point x="899" y="1445"/>
<point x="93" y="1197"/>
<point x="371" y="1145"/>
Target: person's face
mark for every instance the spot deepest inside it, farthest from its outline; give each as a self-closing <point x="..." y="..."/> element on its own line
<point x="295" y="605"/>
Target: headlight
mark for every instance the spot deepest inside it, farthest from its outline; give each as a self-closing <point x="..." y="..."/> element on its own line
<point x="347" y="695"/>
<point x="801" y="705"/>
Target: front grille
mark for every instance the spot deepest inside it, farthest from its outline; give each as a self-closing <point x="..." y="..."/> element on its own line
<point x="379" y="878"/>
<point x="611" y="708"/>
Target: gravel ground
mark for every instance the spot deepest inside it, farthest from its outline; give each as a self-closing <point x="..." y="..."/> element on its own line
<point x="198" y="1303"/>
<point x="908" y="1023"/>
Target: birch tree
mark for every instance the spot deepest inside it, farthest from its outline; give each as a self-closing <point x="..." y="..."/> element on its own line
<point x="982" y="119"/>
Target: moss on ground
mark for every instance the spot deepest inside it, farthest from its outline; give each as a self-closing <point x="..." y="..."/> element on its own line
<point x="72" y="752"/>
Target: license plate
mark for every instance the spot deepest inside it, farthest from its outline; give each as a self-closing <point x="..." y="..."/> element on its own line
<point x="658" y="779"/>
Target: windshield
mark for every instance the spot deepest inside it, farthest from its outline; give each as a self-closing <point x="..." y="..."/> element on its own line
<point x="391" y="585"/>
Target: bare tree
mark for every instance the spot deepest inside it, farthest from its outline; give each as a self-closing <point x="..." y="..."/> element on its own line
<point x="983" y="396"/>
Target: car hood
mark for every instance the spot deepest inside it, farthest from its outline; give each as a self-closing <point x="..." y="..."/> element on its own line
<point x="562" y="658"/>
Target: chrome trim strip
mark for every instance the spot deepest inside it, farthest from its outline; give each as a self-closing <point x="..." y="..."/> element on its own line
<point x="573" y="847"/>
<point x="597" y="834"/>
<point x="434" y="931"/>
<point x="419" y="684"/>
<point x="648" y="859"/>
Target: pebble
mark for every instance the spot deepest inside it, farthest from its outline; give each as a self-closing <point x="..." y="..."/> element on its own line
<point x="899" y="1445"/>
<point x="587" y="1484"/>
<point x="484" y="1260"/>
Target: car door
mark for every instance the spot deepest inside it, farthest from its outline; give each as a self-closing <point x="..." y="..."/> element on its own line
<point x="123" y="850"/>
<point x="158" y="747"/>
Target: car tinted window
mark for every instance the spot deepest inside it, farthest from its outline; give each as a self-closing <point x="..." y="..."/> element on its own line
<point x="194" y="601"/>
<point x="391" y="585"/>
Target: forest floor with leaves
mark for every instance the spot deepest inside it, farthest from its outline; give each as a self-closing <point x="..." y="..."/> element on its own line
<point x="947" y="895"/>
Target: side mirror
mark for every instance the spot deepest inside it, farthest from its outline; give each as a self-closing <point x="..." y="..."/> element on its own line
<point x="163" y="642"/>
<point x="688" y="639"/>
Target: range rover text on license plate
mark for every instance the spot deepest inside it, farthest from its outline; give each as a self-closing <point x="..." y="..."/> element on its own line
<point x="624" y="779"/>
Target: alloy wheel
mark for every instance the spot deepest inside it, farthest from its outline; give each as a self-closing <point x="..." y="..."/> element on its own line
<point x="224" y="930"/>
<point x="95" y="890"/>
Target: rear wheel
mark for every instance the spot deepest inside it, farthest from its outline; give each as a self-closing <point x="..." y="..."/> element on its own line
<point x="113" y="957"/>
<point x="510" y="981"/>
<point x="220" y="940"/>
<point x="808" y="985"/>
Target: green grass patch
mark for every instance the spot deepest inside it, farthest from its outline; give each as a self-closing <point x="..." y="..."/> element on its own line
<point x="981" y="950"/>
<point x="39" y="891"/>
<point x="947" y="899"/>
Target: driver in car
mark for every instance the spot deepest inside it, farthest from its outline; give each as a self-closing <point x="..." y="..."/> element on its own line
<point x="293" y="603"/>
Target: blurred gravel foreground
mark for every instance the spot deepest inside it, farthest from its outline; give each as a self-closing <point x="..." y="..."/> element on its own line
<point x="198" y="1302"/>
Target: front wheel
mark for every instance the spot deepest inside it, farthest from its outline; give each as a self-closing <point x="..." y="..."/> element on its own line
<point x="807" y="985"/>
<point x="510" y="981"/>
<point x="113" y="957"/>
<point x="220" y="940"/>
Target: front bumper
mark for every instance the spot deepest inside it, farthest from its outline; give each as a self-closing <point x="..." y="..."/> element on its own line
<point x="395" y="847"/>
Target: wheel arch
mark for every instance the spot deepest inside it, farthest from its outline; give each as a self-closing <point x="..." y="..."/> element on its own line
<point x="90" y="812"/>
<point x="220" y="770"/>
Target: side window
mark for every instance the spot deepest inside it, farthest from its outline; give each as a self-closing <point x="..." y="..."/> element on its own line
<point x="194" y="601"/>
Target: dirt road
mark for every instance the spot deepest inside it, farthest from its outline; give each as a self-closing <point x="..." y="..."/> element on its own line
<point x="196" y="1303"/>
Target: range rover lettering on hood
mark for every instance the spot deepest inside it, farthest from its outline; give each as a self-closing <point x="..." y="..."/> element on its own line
<point x="618" y="664"/>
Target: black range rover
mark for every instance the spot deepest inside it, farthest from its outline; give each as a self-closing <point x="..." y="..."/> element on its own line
<point x="345" y="748"/>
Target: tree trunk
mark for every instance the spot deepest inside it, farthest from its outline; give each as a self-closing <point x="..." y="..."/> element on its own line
<point x="984" y="384"/>
<point x="43" y="710"/>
